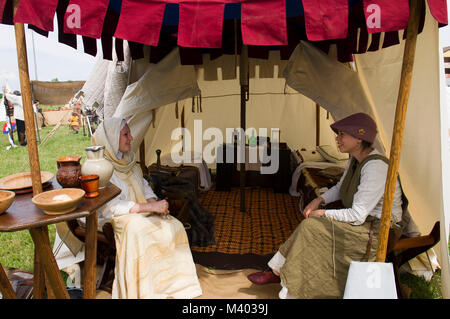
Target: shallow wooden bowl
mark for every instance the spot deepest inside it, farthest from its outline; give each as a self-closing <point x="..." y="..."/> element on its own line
<point x="6" y="199"/>
<point x="59" y="201"/>
<point x="21" y="181"/>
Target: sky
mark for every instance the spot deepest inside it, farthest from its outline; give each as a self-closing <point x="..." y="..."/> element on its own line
<point x="56" y="60"/>
<point x="53" y="59"/>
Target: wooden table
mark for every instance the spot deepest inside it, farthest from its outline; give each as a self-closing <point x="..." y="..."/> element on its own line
<point x="23" y="214"/>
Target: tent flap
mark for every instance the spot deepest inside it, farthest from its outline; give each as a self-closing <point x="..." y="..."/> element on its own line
<point x="38" y="13"/>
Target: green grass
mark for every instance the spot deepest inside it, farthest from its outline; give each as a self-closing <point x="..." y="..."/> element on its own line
<point x="17" y="249"/>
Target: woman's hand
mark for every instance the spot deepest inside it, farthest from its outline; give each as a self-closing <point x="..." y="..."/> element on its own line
<point x="312" y="206"/>
<point x="317" y="212"/>
<point x="160" y="207"/>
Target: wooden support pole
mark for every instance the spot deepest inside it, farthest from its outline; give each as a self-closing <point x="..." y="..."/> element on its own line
<point x="416" y="8"/>
<point x="5" y="286"/>
<point x="38" y="279"/>
<point x="142" y="157"/>
<point x="244" y="82"/>
<point x="90" y="281"/>
<point x="45" y="254"/>
<point x="317" y="124"/>
<point x="28" y="111"/>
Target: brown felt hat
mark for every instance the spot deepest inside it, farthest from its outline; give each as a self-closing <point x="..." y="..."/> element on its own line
<point x="359" y="125"/>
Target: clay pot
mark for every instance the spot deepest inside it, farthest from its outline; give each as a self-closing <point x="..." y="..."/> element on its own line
<point x="96" y="164"/>
<point x="89" y="183"/>
<point x="69" y="171"/>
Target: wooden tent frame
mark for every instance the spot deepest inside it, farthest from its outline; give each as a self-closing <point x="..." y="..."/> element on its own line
<point x="55" y="283"/>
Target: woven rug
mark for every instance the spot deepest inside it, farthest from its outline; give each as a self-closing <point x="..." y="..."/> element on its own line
<point x="247" y="239"/>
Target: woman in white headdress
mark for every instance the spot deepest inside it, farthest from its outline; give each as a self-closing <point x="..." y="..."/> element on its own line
<point x="153" y="258"/>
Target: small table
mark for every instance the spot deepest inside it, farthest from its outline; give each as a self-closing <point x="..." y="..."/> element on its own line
<point x="23" y="214"/>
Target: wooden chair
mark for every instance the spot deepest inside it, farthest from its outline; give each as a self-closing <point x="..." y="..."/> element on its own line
<point x="106" y="251"/>
<point x="406" y="248"/>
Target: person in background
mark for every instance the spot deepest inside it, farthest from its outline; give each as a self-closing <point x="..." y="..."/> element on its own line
<point x="39" y="115"/>
<point x="9" y="127"/>
<point x="16" y="101"/>
<point x="75" y="122"/>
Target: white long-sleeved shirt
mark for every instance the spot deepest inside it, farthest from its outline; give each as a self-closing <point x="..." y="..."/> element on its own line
<point x="121" y="204"/>
<point x="368" y="200"/>
<point x="16" y="101"/>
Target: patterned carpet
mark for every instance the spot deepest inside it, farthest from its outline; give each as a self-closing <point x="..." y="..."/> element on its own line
<point x="254" y="235"/>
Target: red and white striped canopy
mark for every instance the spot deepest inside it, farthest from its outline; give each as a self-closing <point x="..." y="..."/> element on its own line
<point x="201" y="23"/>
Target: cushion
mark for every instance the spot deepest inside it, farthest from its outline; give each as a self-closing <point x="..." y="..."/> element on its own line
<point x="310" y="156"/>
<point x="331" y="154"/>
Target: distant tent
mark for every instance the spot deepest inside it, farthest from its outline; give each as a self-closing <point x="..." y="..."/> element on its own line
<point x="55" y="93"/>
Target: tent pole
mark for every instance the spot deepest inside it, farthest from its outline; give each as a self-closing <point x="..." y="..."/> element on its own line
<point x="25" y="86"/>
<point x="317" y="124"/>
<point x="42" y="250"/>
<point x="399" y="125"/>
<point x="243" y="77"/>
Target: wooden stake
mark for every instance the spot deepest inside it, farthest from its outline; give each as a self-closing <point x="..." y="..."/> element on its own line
<point x="28" y="111"/>
<point x="399" y="125"/>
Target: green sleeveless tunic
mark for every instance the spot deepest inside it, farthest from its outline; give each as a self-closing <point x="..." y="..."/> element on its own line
<point x="319" y="252"/>
<point x="351" y="181"/>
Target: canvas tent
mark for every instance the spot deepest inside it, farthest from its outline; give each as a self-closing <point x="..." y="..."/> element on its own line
<point x="55" y="93"/>
<point x="422" y="165"/>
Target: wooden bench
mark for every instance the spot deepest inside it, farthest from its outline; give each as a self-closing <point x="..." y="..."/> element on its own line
<point x="407" y="248"/>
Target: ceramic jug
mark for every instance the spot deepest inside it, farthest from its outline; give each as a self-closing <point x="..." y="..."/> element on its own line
<point x="69" y="170"/>
<point x="95" y="163"/>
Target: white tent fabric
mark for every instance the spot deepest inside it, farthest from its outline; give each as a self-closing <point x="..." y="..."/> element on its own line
<point x="94" y="87"/>
<point x="116" y="81"/>
<point x="163" y="83"/>
<point x="271" y="105"/>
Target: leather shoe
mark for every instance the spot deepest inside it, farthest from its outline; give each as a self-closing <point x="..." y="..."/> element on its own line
<point x="263" y="278"/>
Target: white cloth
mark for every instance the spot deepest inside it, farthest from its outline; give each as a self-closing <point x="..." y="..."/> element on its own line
<point x="16" y="101"/>
<point x="368" y="200"/>
<point x="275" y="263"/>
<point x="153" y="259"/>
<point x="121" y="204"/>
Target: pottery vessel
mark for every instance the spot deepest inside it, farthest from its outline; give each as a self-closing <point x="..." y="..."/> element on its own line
<point x="69" y="171"/>
<point x="89" y="183"/>
<point x="97" y="164"/>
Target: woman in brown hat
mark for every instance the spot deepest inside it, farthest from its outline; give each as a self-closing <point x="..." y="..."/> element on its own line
<point x="314" y="261"/>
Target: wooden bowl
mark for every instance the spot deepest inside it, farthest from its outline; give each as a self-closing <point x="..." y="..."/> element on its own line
<point x="59" y="201"/>
<point x="6" y="199"/>
<point x="21" y="181"/>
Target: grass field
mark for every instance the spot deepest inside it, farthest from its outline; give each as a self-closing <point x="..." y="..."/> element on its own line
<point x="16" y="249"/>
